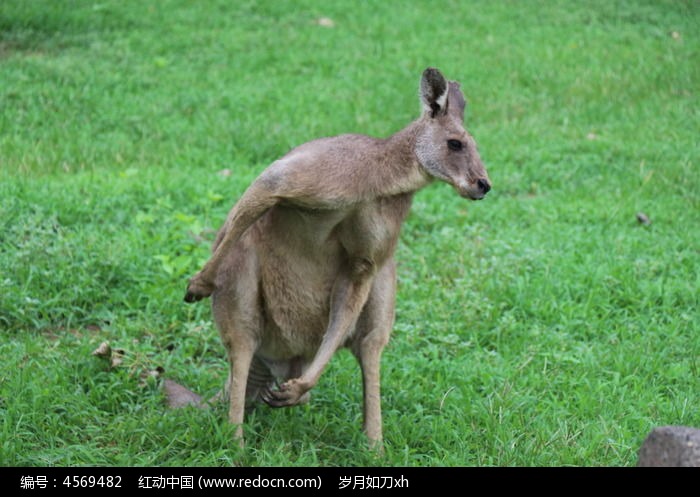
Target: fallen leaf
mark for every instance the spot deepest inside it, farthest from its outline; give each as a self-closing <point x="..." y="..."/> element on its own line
<point x="643" y="219"/>
<point x="326" y="22"/>
<point x="104" y="350"/>
<point x="154" y="373"/>
<point x="151" y="374"/>
<point x="117" y="357"/>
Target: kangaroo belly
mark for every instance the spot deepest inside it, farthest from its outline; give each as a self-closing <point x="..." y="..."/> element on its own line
<point x="297" y="273"/>
<point x="296" y="306"/>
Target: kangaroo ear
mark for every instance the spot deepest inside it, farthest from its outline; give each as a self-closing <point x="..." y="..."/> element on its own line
<point x="433" y="92"/>
<point x="456" y="99"/>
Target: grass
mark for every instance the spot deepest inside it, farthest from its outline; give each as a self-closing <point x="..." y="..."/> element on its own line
<point x="543" y="326"/>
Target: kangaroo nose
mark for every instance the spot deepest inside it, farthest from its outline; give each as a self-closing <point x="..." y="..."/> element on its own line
<point x="483" y="185"/>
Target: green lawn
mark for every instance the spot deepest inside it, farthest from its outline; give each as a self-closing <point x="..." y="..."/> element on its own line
<point x="543" y="326"/>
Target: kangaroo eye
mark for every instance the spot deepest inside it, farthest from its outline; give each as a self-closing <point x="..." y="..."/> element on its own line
<point x="455" y="145"/>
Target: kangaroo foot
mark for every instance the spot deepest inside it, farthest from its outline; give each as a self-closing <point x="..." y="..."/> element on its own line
<point x="290" y="393"/>
<point x="198" y="288"/>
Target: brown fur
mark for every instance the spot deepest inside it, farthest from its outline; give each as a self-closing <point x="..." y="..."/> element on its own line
<point x="304" y="264"/>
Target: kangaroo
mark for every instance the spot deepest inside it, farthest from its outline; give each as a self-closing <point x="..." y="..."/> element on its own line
<point x="304" y="263"/>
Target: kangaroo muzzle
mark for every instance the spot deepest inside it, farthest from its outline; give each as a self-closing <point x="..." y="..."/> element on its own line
<point x="474" y="190"/>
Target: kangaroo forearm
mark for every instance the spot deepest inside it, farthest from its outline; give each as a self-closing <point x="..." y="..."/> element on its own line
<point x="347" y="300"/>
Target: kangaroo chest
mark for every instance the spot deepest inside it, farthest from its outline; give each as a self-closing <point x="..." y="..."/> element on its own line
<point x="301" y="254"/>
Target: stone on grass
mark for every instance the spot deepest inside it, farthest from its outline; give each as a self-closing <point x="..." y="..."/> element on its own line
<point x="178" y="396"/>
<point x="671" y="446"/>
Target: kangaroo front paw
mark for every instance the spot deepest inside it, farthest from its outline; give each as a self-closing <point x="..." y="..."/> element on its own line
<point x="290" y="393"/>
<point x="198" y="289"/>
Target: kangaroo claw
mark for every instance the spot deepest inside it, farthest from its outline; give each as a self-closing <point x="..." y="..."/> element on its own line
<point x="290" y="393"/>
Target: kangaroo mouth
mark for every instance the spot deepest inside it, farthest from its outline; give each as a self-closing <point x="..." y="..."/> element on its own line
<point x="472" y="192"/>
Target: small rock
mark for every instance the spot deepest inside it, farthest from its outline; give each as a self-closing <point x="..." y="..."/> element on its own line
<point x="178" y="396"/>
<point x="671" y="446"/>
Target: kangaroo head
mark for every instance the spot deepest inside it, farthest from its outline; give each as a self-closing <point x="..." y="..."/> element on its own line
<point x="443" y="146"/>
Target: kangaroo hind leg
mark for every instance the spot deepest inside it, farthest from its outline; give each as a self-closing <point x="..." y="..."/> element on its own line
<point x="371" y="336"/>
